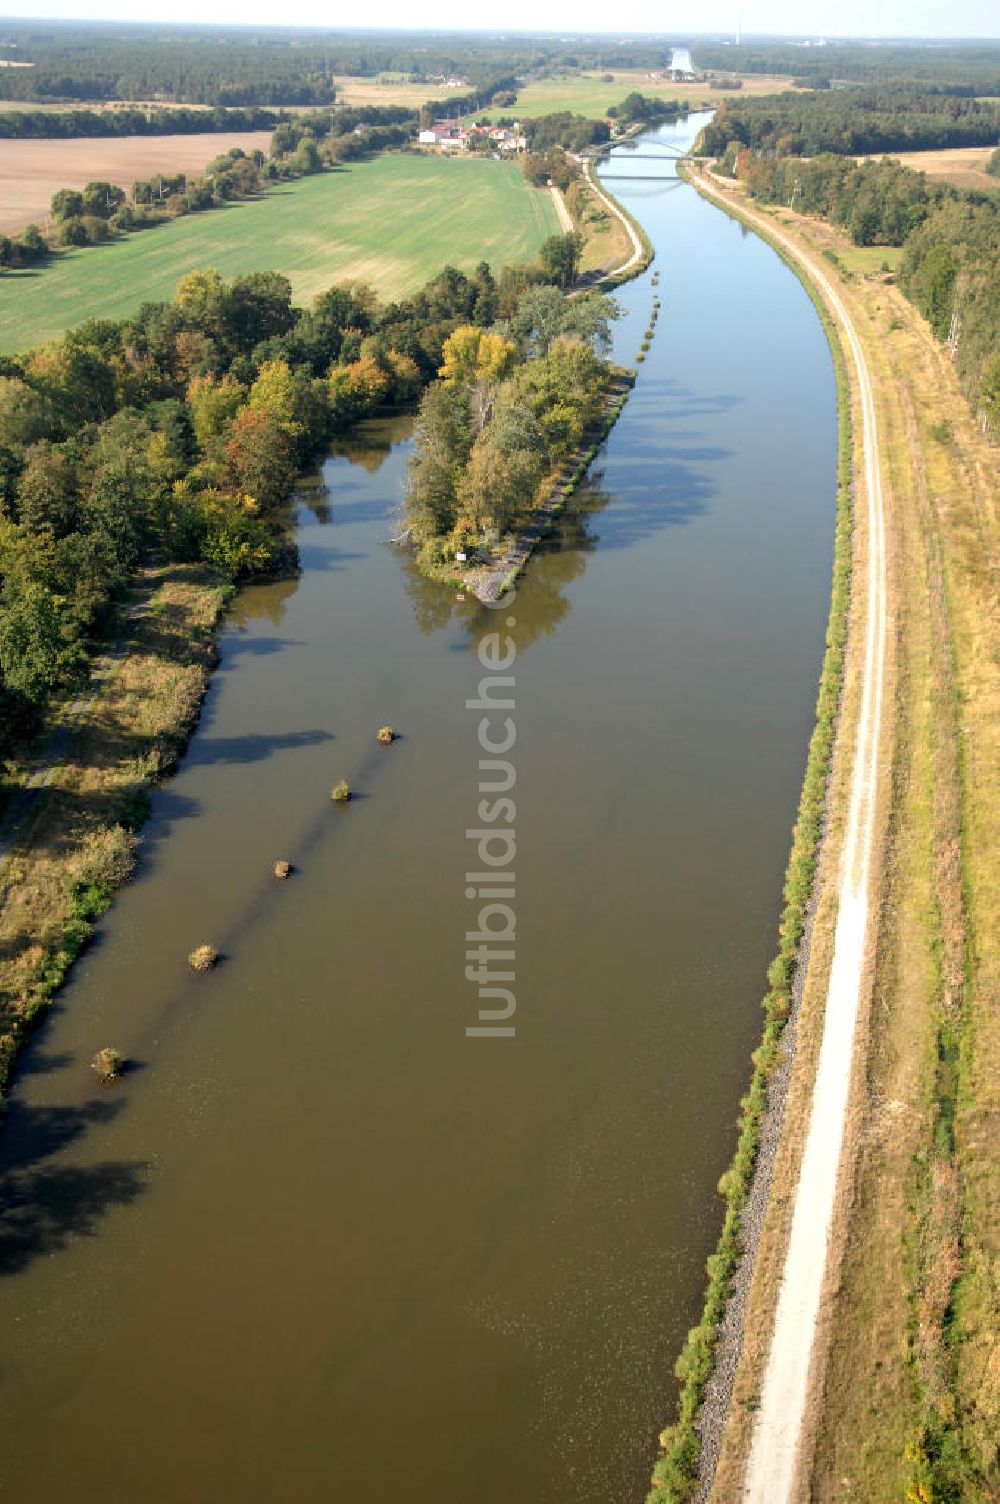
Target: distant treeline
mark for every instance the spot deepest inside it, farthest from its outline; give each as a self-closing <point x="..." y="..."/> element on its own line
<point x="853" y="122"/>
<point x="236" y="66"/>
<point x="971" y="67"/>
<point x="65" y="124"/>
<point x="950" y="240"/>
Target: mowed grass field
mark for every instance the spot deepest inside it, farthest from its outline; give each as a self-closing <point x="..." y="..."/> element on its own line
<point x="394" y="222"/>
<point x="586" y="94"/>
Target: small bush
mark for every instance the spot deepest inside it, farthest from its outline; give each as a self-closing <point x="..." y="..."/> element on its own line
<point x="640" y="357"/>
<point x="385" y="735"/>
<point x="107" y="1065"/>
<point x="204" y="958"/>
<point x="341" y="792"/>
<point x="283" y="870"/>
<point x="941" y="432"/>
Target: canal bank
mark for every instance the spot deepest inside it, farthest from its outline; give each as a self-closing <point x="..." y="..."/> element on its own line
<point x="315" y="1204"/>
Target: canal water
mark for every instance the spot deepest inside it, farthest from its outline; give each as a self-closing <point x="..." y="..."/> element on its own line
<point x="319" y="1244"/>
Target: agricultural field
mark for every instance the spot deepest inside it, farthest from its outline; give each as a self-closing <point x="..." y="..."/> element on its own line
<point x="31" y="171"/>
<point x="961" y="166"/>
<point x="387" y="89"/>
<point x="586" y="94"/>
<point x="393" y="222"/>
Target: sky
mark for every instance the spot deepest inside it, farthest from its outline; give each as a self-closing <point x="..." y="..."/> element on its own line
<point x="909" y="18"/>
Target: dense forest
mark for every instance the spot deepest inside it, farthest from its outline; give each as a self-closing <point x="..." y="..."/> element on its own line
<point x="65" y="124"/>
<point x="967" y="67"/>
<point x="950" y="239"/>
<point x="512" y="402"/>
<point x="183" y="428"/>
<point x="853" y="121"/>
<point x="271" y="66"/>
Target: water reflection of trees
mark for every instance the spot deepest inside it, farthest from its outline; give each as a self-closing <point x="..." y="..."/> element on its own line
<point x="262" y="602"/>
<point x="370" y="444"/>
<point x="542" y="602"/>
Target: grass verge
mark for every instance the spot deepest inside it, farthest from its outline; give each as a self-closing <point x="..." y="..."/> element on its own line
<point x="676" y="1473"/>
<point x="79" y="844"/>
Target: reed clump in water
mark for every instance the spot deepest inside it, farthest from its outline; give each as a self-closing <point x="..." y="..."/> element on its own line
<point x="283" y="869"/>
<point x="203" y="958"/>
<point x="107" y="1065"/>
<point x="341" y="792"/>
<point x="385" y="735"/>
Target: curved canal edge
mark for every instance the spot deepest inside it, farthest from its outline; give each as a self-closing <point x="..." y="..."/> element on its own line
<point x="837" y="778"/>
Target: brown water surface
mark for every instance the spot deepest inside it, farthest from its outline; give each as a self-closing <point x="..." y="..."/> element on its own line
<point x="320" y="1245"/>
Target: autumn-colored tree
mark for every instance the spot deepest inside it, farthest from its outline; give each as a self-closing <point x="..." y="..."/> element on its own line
<point x="356" y="389"/>
<point x="213" y="405"/>
<point x="47" y="493"/>
<point x="478" y="360"/>
<point x="236" y="540"/>
<point x="405" y="376"/>
<point x="261" y="456"/>
<point x="496" y="489"/>
<point x="25" y="415"/>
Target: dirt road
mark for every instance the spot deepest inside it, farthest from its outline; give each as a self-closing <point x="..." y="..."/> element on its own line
<point x="609" y="203"/>
<point x="773" y="1472"/>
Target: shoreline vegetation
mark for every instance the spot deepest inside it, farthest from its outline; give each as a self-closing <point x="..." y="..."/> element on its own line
<point x="680" y="1470"/>
<point x="907" y="1330"/>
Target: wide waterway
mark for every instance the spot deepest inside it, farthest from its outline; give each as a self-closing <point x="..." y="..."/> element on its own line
<point x="319" y="1245"/>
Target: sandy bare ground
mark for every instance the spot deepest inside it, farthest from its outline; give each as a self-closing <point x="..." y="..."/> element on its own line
<point x="31" y="171"/>
<point x="773" y="1468"/>
<point x="962" y="166"/>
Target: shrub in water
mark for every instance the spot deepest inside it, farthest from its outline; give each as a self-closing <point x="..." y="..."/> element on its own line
<point x="385" y="735"/>
<point x="204" y="958"/>
<point x="107" y="1065"/>
<point x="341" y="792"/>
<point x="283" y="869"/>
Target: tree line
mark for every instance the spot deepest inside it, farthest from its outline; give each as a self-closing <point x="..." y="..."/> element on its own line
<point x="221" y="65"/>
<point x="950" y="237"/>
<point x="852" y="122"/>
<point x="40" y="125"/>
<point x="968" y="67"/>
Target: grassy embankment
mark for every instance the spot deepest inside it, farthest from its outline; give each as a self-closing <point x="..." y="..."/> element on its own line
<point x="393" y="221"/>
<point x="820" y="808"/>
<point x="77" y="846"/>
<point x="908" y="1406"/>
<point x="911" y="1405"/>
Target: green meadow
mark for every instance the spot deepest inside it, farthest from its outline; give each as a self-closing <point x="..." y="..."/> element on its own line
<point x="394" y="222"/>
